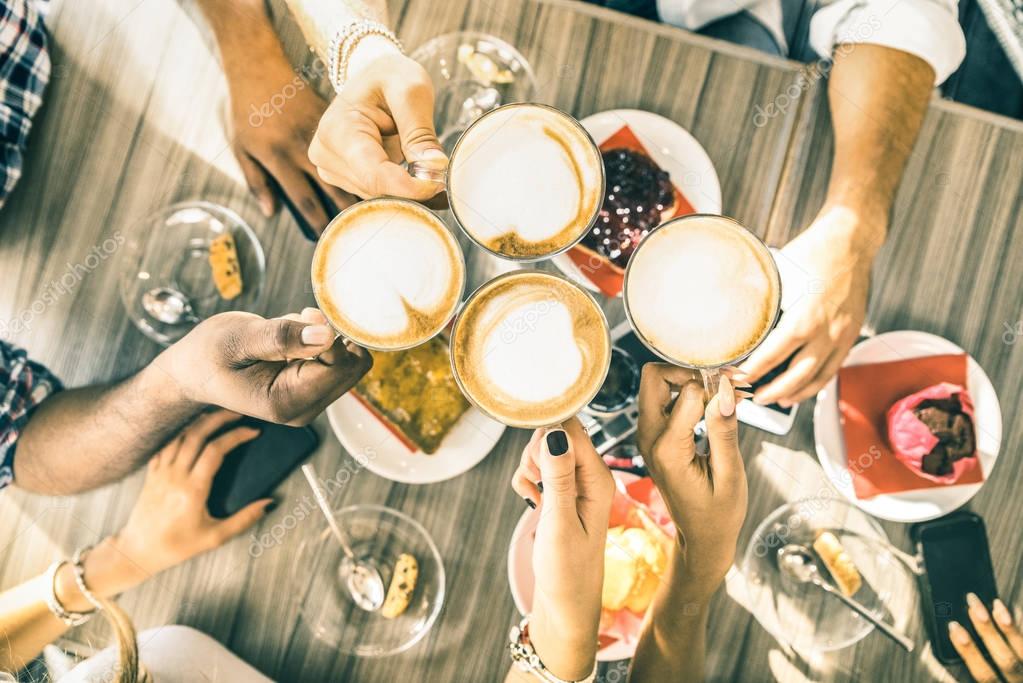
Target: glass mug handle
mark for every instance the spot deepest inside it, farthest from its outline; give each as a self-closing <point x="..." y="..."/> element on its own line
<point x="420" y="171"/>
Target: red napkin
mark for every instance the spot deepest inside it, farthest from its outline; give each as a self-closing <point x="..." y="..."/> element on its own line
<point x="865" y="393"/>
<point x="608" y="277"/>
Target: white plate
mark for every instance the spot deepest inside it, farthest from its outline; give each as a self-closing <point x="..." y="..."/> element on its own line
<point x="367" y="439"/>
<point x="673" y="148"/>
<point x="924" y="504"/>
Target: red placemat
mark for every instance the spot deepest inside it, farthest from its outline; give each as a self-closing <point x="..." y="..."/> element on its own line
<point x="865" y="392"/>
<point x="608" y="277"/>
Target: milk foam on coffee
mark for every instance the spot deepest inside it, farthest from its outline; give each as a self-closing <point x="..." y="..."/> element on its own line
<point x="388" y="274"/>
<point x="531" y="349"/>
<point x="525" y="181"/>
<point x="702" y="291"/>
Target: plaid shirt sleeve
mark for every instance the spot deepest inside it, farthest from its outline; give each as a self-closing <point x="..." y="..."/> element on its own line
<point x="23" y="386"/>
<point x="24" y="71"/>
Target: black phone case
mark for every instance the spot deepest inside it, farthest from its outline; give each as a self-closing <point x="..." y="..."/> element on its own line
<point x="942" y="647"/>
<point x="254" y="469"/>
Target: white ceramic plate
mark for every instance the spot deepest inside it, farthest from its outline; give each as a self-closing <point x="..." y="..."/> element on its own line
<point x="673" y="148"/>
<point x="924" y="504"/>
<point x="373" y="444"/>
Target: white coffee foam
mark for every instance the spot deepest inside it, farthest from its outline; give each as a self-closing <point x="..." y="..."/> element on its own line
<point x="384" y="258"/>
<point x="509" y="175"/>
<point x="531" y="354"/>
<point x="699" y="292"/>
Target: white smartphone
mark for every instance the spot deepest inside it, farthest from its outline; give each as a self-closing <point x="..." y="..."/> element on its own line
<point x="771" y="418"/>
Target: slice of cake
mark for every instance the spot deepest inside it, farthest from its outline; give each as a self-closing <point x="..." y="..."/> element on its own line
<point x="414" y="393"/>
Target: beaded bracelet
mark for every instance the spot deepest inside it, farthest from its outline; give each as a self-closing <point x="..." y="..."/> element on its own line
<point x="53" y="603"/>
<point x="79" y="570"/>
<point x="343" y="45"/>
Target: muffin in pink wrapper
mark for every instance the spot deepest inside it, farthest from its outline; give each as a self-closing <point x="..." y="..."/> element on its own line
<point x="931" y="432"/>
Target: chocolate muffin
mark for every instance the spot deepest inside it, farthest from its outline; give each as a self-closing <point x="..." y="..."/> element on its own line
<point x="952" y="427"/>
<point x="638" y="196"/>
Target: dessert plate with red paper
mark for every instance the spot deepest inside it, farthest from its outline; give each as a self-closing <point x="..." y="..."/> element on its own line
<point x="374" y="445"/>
<point x="628" y="582"/>
<point x="693" y="183"/>
<point x="870" y="433"/>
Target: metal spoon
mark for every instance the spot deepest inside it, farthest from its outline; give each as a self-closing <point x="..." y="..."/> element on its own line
<point x="360" y="576"/>
<point x="169" y="306"/>
<point x="796" y="562"/>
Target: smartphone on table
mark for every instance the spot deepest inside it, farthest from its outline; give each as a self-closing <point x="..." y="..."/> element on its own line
<point x="253" y="470"/>
<point x="955" y="560"/>
<point x="772" y="418"/>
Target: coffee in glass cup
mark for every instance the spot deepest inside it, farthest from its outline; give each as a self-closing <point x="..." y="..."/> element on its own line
<point x="703" y="292"/>
<point x="530" y="348"/>
<point x="388" y="274"/>
<point x="525" y="181"/>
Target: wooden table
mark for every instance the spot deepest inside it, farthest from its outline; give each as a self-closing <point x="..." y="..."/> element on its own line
<point x="133" y="121"/>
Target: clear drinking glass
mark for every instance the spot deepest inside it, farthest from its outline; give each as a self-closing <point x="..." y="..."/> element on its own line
<point x="711" y="374"/>
<point x="456" y="153"/>
<point x="472" y="73"/>
<point x="377" y="535"/>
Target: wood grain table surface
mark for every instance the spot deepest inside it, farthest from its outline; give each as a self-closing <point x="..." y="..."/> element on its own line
<point x="135" y="120"/>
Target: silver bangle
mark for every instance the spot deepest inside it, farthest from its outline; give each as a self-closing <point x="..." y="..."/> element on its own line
<point x="79" y="570"/>
<point x="343" y="45"/>
<point x="523" y="654"/>
<point x="53" y="603"/>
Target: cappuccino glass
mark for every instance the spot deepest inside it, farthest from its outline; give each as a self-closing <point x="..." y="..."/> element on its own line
<point x="388" y="274"/>
<point x="530" y="348"/>
<point x="703" y="292"/>
<point x="525" y="181"/>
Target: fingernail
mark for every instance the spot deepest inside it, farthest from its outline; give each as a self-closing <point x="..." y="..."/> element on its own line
<point x="316" y="335"/>
<point x="785" y="404"/>
<point x="739" y="393"/>
<point x="266" y="205"/>
<point x="1001" y="613"/>
<point x="977" y="607"/>
<point x="726" y="397"/>
<point x="557" y="442"/>
<point x="958" y="634"/>
<point x="539" y="486"/>
<point x="530" y="503"/>
<point x="740" y="385"/>
<point x="693" y="391"/>
<point x="309" y="310"/>
<point x="433" y="154"/>
<point x="759" y="398"/>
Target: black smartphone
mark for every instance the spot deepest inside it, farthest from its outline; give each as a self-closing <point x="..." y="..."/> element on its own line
<point x="254" y="469"/>
<point x="956" y="561"/>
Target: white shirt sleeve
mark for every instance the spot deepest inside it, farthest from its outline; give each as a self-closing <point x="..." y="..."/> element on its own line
<point x="928" y="29"/>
